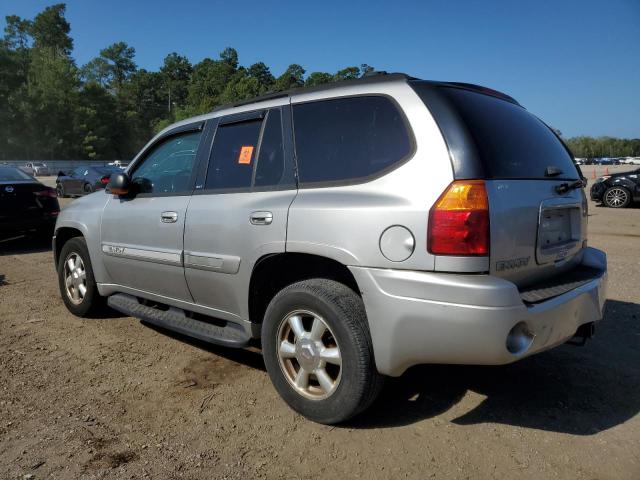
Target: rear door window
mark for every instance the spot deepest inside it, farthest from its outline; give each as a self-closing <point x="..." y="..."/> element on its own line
<point x="512" y="143"/>
<point x="346" y="139"/>
<point x="249" y="154"/>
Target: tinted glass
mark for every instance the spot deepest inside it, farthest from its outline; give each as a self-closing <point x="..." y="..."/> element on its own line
<point x="167" y="168"/>
<point x="107" y="170"/>
<point x="233" y="155"/>
<point x="348" y="138"/>
<point x="511" y="142"/>
<point x="79" y="172"/>
<point x="270" y="167"/>
<point x="10" y="174"/>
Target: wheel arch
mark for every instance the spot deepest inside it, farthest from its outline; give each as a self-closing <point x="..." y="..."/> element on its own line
<point x="62" y="236"/>
<point x="272" y="272"/>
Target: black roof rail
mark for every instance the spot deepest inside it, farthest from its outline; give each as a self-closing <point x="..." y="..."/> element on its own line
<point x="372" y="77"/>
<point x="481" y="89"/>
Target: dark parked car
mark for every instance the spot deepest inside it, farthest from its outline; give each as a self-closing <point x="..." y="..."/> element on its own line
<point x="618" y="190"/>
<point x="84" y="180"/>
<point x="25" y="204"/>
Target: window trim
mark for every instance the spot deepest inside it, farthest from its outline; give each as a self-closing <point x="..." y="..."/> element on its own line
<point x="287" y="146"/>
<point x="143" y="155"/>
<point x="364" y="179"/>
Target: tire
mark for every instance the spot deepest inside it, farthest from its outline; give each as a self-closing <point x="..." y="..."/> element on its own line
<point x="60" y="191"/>
<point x="88" y="188"/>
<point x="353" y="384"/>
<point x="616" y="197"/>
<point x="81" y="305"/>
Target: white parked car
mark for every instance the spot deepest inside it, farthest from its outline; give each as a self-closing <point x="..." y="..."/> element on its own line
<point x="39" y="169"/>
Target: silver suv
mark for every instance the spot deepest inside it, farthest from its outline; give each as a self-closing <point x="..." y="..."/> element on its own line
<point x="355" y="229"/>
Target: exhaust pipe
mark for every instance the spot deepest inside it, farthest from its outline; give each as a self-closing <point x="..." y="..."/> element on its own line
<point x="520" y="339"/>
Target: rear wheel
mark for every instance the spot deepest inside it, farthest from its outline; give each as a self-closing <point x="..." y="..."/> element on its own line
<point x="60" y="190"/>
<point x="617" y="197"/>
<point x="317" y="350"/>
<point x="88" y="188"/>
<point x="75" y="279"/>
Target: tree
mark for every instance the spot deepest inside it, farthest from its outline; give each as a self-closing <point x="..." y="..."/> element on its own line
<point x="119" y="57"/>
<point x="263" y="75"/>
<point x="50" y="29"/>
<point x="348" y="73"/>
<point x="318" y="78"/>
<point x="292" y="77"/>
<point x="176" y="74"/>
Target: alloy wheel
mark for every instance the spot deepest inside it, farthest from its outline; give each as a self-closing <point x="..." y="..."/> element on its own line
<point x="75" y="278"/>
<point x="616" y="197"/>
<point x="309" y="354"/>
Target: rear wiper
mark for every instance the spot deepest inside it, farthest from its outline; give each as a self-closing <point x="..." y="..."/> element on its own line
<point x="552" y="171"/>
<point x="565" y="187"/>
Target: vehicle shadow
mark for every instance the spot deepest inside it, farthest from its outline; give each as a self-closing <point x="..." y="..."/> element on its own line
<point x="574" y="390"/>
<point x="25" y="244"/>
<point x="250" y="357"/>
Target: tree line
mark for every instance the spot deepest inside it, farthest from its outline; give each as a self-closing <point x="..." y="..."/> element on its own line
<point x="51" y="108"/>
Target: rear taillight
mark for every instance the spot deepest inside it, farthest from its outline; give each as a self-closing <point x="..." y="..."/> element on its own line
<point x="49" y="192"/>
<point x="105" y="180"/>
<point x="459" y="220"/>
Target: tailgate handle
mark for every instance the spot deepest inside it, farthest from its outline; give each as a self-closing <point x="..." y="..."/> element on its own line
<point x="261" y="218"/>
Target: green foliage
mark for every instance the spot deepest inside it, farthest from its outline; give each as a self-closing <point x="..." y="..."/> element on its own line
<point x="109" y="108"/>
<point x="589" y="147"/>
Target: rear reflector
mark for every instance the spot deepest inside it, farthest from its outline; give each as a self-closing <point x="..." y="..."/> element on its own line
<point x="459" y="220"/>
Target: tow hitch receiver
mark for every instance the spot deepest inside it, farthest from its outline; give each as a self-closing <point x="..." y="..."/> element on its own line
<point x="583" y="333"/>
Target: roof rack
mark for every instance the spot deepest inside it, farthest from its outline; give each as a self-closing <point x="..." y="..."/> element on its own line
<point x="481" y="89"/>
<point x="372" y="77"/>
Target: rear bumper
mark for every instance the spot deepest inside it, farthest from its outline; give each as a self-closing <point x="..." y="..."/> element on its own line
<point x="25" y="225"/>
<point x="428" y="317"/>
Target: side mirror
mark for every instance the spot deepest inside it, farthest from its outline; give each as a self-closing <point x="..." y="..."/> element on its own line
<point x="119" y="184"/>
<point x="61" y="174"/>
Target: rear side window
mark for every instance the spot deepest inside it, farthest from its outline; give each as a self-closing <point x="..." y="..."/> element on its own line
<point x="348" y="138"/>
<point x="511" y="142"/>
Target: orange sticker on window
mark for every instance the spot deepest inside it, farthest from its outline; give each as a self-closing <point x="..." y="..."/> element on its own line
<point x="245" y="154"/>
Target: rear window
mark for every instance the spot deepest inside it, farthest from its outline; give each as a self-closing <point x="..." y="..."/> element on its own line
<point x="10" y="174"/>
<point x="511" y="142"/>
<point x="349" y="138"/>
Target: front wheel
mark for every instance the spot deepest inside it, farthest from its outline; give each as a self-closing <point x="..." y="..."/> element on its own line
<point x="317" y="350"/>
<point x="75" y="279"/>
<point x="617" y="197"/>
<point x="60" y="190"/>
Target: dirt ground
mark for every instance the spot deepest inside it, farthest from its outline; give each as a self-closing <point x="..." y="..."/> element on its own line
<point x="113" y="398"/>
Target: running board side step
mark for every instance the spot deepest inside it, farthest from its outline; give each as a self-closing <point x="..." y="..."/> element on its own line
<point x="230" y="335"/>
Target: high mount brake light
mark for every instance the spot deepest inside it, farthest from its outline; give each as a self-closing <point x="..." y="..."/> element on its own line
<point x="459" y="220"/>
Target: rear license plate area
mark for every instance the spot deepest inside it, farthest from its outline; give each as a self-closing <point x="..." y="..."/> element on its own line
<point x="558" y="233"/>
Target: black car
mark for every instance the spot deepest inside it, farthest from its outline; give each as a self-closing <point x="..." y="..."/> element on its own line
<point x="618" y="190"/>
<point x="25" y="204"/>
<point x="84" y="180"/>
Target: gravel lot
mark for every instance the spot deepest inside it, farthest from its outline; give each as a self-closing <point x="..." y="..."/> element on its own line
<point x="113" y="398"/>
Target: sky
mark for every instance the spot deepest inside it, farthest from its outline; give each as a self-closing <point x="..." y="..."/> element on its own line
<point x="575" y="64"/>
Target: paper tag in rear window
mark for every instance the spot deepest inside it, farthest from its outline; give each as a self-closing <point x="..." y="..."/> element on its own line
<point x="245" y="154"/>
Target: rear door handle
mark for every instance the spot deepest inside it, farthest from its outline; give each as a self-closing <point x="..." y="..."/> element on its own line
<point x="169" y="217"/>
<point x="261" y="218"/>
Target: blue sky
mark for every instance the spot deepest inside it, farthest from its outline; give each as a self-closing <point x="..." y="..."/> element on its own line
<point x="576" y="64"/>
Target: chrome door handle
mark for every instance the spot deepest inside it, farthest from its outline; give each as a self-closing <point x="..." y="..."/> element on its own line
<point x="261" y="218"/>
<point x="169" y="217"/>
